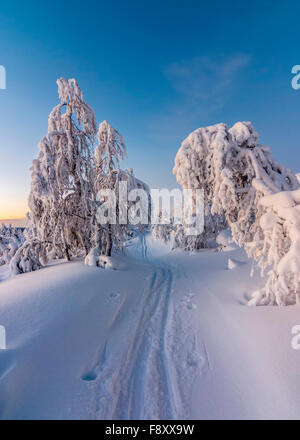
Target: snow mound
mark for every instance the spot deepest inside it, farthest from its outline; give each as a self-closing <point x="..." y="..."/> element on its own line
<point x="92" y="258"/>
<point x="233" y="264"/>
<point x="107" y="262"/>
<point x="225" y="240"/>
<point x="116" y="262"/>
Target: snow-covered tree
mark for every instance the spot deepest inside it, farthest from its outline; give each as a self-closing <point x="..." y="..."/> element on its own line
<point x="61" y="193"/>
<point x="11" y="238"/>
<point x="236" y="172"/>
<point x="278" y="248"/>
<point x="8" y="247"/>
<point x="175" y="235"/>
<point x="108" y="153"/>
<point x="112" y="230"/>
<point x="193" y="171"/>
<point x="10" y="231"/>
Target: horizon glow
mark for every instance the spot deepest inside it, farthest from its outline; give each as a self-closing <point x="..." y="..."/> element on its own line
<point x="152" y="72"/>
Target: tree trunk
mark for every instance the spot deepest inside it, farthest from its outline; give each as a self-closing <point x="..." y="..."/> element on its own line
<point x="99" y="239"/>
<point x="108" y="242"/>
<point x="67" y="254"/>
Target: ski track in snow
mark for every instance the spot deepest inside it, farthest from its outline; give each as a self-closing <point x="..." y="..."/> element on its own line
<point x="165" y="337"/>
<point x="135" y="383"/>
<point x="153" y="376"/>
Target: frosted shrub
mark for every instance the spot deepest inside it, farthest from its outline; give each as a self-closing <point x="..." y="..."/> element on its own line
<point x="29" y="257"/>
<point x="11" y="239"/>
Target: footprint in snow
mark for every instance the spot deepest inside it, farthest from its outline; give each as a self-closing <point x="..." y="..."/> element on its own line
<point x="113" y="296"/>
<point x="187" y="302"/>
<point x="194" y="359"/>
<point x="90" y="376"/>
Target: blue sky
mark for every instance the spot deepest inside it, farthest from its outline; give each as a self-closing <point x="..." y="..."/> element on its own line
<point x="155" y="69"/>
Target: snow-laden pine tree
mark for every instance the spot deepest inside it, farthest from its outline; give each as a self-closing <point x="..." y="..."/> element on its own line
<point x="236" y="172"/>
<point x="61" y="195"/>
<point x="114" y="229"/>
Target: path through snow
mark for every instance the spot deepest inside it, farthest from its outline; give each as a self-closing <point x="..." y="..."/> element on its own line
<point x="143" y="380"/>
<point x="167" y="336"/>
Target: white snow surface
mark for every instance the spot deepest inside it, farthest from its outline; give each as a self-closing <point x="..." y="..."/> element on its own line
<point x="166" y="336"/>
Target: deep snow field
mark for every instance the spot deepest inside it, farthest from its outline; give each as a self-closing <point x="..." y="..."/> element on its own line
<point x="168" y="335"/>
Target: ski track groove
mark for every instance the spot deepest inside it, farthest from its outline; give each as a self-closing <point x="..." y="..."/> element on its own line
<point x="135" y="384"/>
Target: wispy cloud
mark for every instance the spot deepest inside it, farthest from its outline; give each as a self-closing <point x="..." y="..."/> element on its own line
<point x="206" y="78"/>
<point x="204" y="86"/>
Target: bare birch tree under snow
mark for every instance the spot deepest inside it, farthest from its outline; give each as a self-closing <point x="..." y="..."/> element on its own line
<point x="116" y="228"/>
<point x="62" y="175"/>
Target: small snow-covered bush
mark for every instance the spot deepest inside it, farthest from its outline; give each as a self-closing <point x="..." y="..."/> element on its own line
<point x="8" y="247"/>
<point x="29" y="257"/>
<point x="11" y="238"/>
